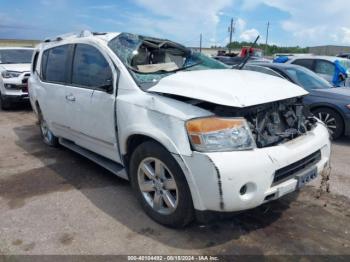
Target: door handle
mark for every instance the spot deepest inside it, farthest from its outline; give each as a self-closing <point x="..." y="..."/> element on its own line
<point x="70" y="98"/>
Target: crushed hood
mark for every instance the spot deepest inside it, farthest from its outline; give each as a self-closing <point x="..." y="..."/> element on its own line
<point x="15" y="67"/>
<point x="229" y="87"/>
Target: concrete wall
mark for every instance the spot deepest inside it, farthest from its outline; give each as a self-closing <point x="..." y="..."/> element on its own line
<point x="329" y="50"/>
<point x="18" y="42"/>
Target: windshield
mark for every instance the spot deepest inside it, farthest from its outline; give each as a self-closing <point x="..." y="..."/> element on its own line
<point x="307" y="79"/>
<point x="151" y="59"/>
<point x="16" y="56"/>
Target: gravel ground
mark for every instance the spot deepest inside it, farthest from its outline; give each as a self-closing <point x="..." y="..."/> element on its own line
<point x="53" y="201"/>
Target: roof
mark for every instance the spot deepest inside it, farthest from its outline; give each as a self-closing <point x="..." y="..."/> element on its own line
<point x="16" y="47"/>
<point x="324" y="57"/>
<point x="83" y="34"/>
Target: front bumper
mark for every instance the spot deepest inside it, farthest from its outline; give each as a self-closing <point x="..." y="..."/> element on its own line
<point x="215" y="179"/>
<point x="18" y="98"/>
<point x="15" y="89"/>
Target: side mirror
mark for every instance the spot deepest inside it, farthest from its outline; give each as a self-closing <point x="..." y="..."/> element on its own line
<point x="342" y="77"/>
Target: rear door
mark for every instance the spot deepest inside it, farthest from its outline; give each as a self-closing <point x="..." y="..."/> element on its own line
<point x="55" y="67"/>
<point x="90" y="99"/>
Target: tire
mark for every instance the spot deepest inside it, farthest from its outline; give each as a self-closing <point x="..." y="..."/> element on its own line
<point x="48" y="137"/>
<point x="164" y="195"/>
<point x="332" y="119"/>
<point x="4" y="104"/>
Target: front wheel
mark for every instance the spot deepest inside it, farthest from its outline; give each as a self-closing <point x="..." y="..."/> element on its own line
<point x="48" y="137"/>
<point x="160" y="185"/>
<point x="332" y="120"/>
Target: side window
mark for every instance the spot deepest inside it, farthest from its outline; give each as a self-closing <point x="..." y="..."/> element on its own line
<point x="35" y="62"/>
<point x="324" y="67"/>
<point x="56" y="65"/>
<point x="90" y="68"/>
<point x="308" y="63"/>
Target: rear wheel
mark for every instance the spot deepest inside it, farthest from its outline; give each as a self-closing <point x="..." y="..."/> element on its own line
<point x="160" y="185"/>
<point x="332" y="119"/>
<point x="48" y="137"/>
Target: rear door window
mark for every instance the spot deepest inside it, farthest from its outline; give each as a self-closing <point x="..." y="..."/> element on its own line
<point x="90" y="67"/>
<point x="56" y="64"/>
<point x="324" y="67"/>
<point x="308" y="63"/>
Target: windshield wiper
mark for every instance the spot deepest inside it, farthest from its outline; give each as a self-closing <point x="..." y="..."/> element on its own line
<point x="186" y="67"/>
<point x="163" y="71"/>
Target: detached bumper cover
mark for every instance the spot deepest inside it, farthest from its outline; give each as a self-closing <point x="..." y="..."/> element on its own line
<point x="215" y="179"/>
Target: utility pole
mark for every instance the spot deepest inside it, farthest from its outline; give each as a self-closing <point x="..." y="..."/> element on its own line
<point x="200" y="43"/>
<point x="231" y="30"/>
<point x="267" y="35"/>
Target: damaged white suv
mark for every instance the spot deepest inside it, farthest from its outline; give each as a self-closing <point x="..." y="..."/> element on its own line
<point x="189" y="133"/>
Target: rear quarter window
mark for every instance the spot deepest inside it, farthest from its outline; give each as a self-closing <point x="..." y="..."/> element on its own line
<point x="35" y="62"/>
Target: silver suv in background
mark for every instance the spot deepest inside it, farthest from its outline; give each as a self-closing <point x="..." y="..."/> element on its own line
<point x="191" y="134"/>
<point x="14" y="73"/>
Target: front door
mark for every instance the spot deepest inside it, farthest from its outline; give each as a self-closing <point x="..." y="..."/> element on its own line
<point x="91" y="99"/>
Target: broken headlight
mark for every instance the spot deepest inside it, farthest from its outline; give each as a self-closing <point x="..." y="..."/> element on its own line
<point x="214" y="134"/>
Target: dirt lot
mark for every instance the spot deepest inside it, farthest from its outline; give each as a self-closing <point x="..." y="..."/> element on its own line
<point x="53" y="201"/>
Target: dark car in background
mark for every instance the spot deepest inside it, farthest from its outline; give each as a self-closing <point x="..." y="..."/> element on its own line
<point x="329" y="104"/>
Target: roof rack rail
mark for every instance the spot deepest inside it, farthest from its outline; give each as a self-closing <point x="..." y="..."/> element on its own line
<point x="83" y="33"/>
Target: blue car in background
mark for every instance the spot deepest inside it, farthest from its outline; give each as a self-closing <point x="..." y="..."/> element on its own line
<point x="329" y="104"/>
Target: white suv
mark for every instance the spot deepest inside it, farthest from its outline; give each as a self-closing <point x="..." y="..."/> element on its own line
<point x="191" y="134"/>
<point x="14" y="74"/>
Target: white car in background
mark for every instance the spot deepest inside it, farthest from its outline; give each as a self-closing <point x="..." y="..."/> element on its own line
<point x="14" y="73"/>
<point x="191" y="134"/>
<point x="321" y="65"/>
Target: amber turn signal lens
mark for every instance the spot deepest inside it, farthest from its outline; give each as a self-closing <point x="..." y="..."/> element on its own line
<point x="212" y="124"/>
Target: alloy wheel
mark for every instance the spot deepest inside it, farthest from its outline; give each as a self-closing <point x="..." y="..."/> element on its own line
<point x="329" y="121"/>
<point x="158" y="186"/>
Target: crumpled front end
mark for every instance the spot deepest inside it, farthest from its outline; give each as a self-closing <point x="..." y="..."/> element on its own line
<point x="234" y="181"/>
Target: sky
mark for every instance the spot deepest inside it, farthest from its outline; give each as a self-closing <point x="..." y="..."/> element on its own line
<point x="292" y="22"/>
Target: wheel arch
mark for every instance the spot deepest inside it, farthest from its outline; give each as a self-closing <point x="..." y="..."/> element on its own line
<point x="136" y="139"/>
<point x="331" y="107"/>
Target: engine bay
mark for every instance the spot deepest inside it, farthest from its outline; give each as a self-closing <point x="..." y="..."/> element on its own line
<point x="271" y="123"/>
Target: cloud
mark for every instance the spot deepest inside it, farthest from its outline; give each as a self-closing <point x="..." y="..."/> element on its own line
<point x="241" y="24"/>
<point x="312" y="22"/>
<point x="249" y="35"/>
<point x="184" y="19"/>
<point x="345" y="35"/>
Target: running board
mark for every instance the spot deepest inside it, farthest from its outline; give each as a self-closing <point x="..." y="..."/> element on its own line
<point x="108" y="164"/>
